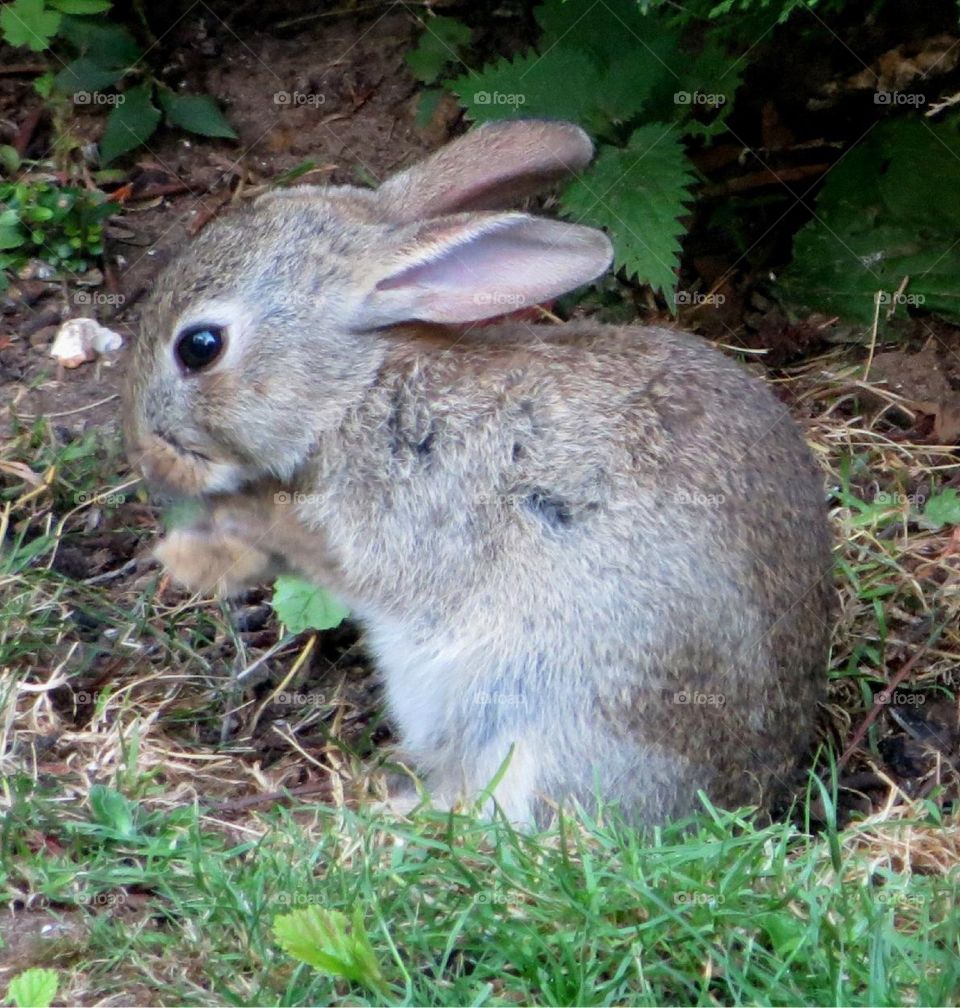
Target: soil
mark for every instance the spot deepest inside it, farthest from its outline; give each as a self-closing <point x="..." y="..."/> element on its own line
<point x="351" y="113"/>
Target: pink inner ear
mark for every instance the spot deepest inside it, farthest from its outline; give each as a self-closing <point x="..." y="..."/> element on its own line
<point x="496" y="272"/>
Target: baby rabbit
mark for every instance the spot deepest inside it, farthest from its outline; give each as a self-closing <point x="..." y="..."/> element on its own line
<point x="591" y="558"/>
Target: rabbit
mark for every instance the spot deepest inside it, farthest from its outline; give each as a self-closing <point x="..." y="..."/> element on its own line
<point x="592" y="562"/>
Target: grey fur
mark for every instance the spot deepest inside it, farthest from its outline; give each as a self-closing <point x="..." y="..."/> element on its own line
<point x="601" y="551"/>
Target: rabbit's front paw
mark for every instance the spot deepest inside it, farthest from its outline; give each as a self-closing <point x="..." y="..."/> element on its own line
<point x="212" y="561"/>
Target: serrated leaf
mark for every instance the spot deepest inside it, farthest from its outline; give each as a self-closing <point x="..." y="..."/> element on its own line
<point x="300" y="605"/>
<point x="129" y="124"/>
<point x="529" y="86"/>
<point x="84" y="74"/>
<point x="638" y="193"/>
<point x="81" y="6"/>
<point x="329" y="941"/>
<point x="942" y="509"/>
<point x="34" y="988"/>
<point x="442" y="40"/>
<point x="112" y="810"/>
<point x="880" y="221"/>
<point x="196" y="113"/>
<point x="29" y="23"/>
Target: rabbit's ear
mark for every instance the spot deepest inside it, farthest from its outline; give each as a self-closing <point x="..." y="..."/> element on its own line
<point x="492" y="167"/>
<point x="476" y="266"/>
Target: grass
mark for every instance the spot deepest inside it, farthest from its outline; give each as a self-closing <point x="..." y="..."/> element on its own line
<point x="161" y="807"/>
<point x="459" y="913"/>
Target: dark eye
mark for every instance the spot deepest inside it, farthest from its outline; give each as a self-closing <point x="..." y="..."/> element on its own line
<point x="199" y="346"/>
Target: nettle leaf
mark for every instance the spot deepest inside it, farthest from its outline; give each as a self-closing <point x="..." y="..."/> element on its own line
<point x="29" y="23"/>
<point x="196" y="113"/>
<point x="331" y="942"/>
<point x="881" y="220"/>
<point x="442" y="40"/>
<point x="106" y="43"/>
<point x="942" y="509"/>
<point x="34" y="988"/>
<point x="300" y="605"/>
<point x="638" y="193"/>
<point x="84" y="74"/>
<point x="532" y="86"/>
<point x="129" y="124"/>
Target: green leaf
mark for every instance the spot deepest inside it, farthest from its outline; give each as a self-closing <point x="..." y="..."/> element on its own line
<point x="105" y="43"/>
<point x="81" y="6"/>
<point x="34" y="988"/>
<point x="84" y="75"/>
<point x="29" y="23"/>
<point x="529" y="86"/>
<point x="11" y="233"/>
<point x="196" y="113"/>
<point x="638" y="193"/>
<point x="43" y="85"/>
<point x="330" y="942"/>
<point x="301" y="606"/>
<point x="130" y="124"/>
<point x="881" y="220"/>
<point x="9" y="159"/>
<point x="112" y="810"/>
<point x="942" y="509"/>
<point x="441" y="43"/>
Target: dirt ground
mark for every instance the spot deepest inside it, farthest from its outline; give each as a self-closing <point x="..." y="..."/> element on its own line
<point x="361" y="128"/>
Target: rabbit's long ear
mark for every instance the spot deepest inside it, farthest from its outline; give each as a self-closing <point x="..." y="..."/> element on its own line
<point x="475" y="266"/>
<point x="492" y="167"/>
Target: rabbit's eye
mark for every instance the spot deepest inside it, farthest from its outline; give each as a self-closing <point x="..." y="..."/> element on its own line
<point x="199" y="346"/>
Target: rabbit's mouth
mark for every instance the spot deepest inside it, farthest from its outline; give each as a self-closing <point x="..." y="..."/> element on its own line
<point x="172" y="467"/>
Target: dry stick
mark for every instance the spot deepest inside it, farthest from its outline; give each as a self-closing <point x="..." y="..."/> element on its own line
<point x="884" y="697"/>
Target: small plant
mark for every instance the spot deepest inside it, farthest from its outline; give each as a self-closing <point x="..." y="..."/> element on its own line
<point x="331" y="942"/>
<point x="62" y="225"/>
<point x="98" y="55"/>
<point x="33" y="988"/>
<point x="301" y="606"/>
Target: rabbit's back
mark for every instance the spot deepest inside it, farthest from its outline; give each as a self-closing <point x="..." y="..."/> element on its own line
<point x="624" y="521"/>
